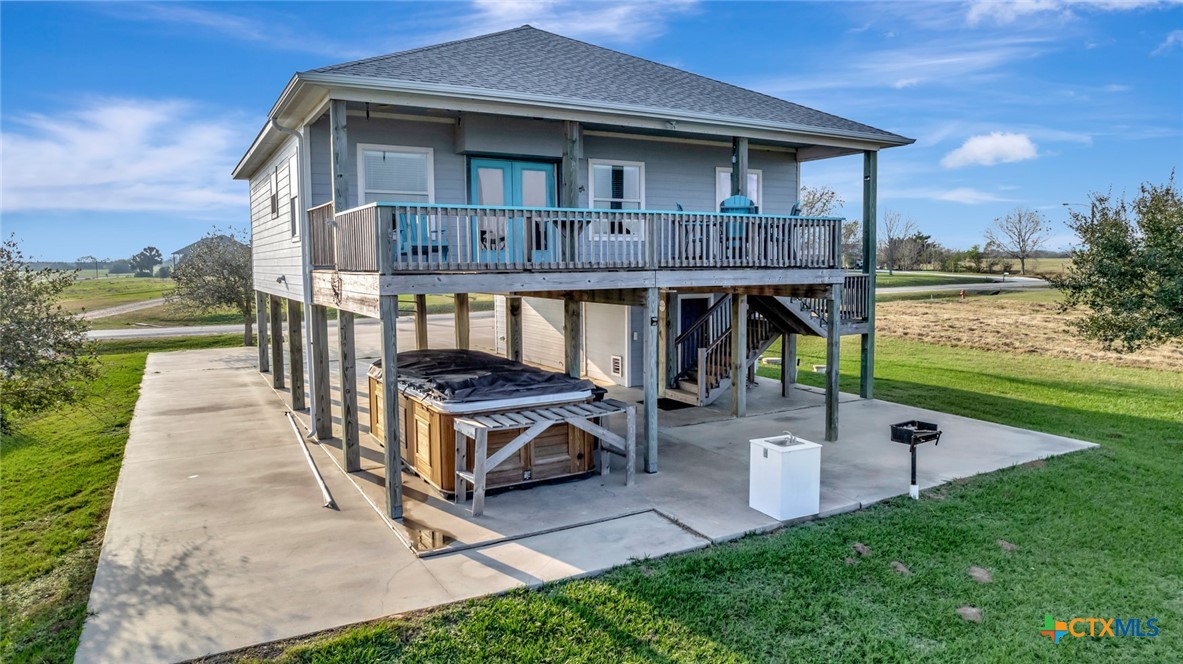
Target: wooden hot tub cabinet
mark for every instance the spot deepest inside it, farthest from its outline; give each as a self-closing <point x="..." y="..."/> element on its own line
<point x="428" y="440"/>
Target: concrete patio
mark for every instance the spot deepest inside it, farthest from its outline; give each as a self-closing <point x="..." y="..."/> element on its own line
<point x="217" y="538"/>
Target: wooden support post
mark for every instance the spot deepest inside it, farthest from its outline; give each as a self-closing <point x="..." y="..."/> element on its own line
<point x="276" y="341"/>
<point x="572" y="337"/>
<point x="322" y="400"/>
<point x="347" y="373"/>
<point x="261" y="321"/>
<point x="651" y="361"/>
<point x="788" y="363"/>
<point x="870" y="246"/>
<point x="463" y="327"/>
<point x="739" y="355"/>
<point x="339" y="144"/>
<point x="739" y="166"/>
<point x="421" y="322"/>
<point x="388" y="312"/>
<point x="513" y="328"/>
<point x="296" y="353"/>
<point x="833" y="343"/>
<point x="569" y="193"/>
<point x="665" y="339"/>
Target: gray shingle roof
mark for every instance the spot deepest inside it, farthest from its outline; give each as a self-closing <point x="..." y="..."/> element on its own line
<point x="530" y="61"/>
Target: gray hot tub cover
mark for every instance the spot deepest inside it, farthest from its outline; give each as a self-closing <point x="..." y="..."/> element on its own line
<point x="462" y="376"/>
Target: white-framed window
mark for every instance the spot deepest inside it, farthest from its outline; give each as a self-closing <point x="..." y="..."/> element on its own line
<point x="755" y="188"/>
<point x="395" y="174"/>
<point x="616" y="185"/>
<point x="274" y="194"/>
<point x="293" y="195"/>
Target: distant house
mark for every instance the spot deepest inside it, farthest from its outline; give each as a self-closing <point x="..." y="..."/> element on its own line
<point x="179" y="254"/>
<point x="637" y="222"/>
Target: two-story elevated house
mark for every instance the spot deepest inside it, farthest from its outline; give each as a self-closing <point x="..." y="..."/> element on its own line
<point x="583" y="187"/>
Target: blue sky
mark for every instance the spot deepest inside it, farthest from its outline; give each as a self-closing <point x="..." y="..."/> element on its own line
<point x="121" y="122"/>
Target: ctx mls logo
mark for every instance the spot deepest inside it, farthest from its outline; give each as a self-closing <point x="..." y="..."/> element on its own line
<point x="1098" y="627"/>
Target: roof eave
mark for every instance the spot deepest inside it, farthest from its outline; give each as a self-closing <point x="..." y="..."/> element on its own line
<point x="464" y="92"/>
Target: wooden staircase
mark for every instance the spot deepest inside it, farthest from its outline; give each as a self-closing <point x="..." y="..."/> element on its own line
<point x="703" y="366"/>
<point x="701" y="370"/>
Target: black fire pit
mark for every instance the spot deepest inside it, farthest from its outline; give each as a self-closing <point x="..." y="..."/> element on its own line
<point x="913" y="433"/>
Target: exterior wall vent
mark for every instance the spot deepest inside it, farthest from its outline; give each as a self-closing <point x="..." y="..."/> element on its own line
<point x="617" y="365"/>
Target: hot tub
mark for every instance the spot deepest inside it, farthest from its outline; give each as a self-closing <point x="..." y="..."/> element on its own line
<point x="437" y="386"/>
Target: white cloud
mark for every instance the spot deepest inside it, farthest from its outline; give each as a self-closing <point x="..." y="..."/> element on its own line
<point x="1003" y="12"/>
<point x="963" y="195"/>
<point x="618" y="21"/>
<point x="275" y="31"/>
<point x="122" y="155"/>
<point x="1175" y="38"/>
<point x="989" y="149"/>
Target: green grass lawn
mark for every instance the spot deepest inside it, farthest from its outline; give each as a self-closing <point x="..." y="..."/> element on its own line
<point x="1099" y="533"/>
<point x="93" y="294"/>
<point x="59" y="472"/>
<point x="885" y="280"/>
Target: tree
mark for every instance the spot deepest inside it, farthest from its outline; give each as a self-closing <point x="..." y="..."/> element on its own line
<point x="852" y="242"/>
<point x="1019" y="234"/>
<point x="895" y="230"/>
<point x="45" y="358"/>
<point x="120" y="266"/>
<point x="144" y="261"/>
<point x="819" y="201"/>
<point x="84" y="262"/>
<point x="216" y="273"/>
<point x="1128" y="269"/>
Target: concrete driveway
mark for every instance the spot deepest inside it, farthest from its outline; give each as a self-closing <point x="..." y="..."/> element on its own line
<point x="218" y="539"/>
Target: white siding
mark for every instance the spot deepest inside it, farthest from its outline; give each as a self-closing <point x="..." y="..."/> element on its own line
<point x="275" y="253"/>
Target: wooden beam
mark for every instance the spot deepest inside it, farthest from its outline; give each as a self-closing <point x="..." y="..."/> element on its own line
<point x="356" y="292"/>
<point x="788" y="363"/>
<point x="573" y="337"/>
<point x="296" y="353"/>
<point x="276" y="311"/>
<point x="833" y="343"/>
<point x="421" y="322"/>
<point x="322" y="400"/>
<point x="739" y="355"/>
<point x="622" y="297"/>
<point x="347" y="373"/>
<point x="463" y="327"/>
<point x="261" y="321"/>
<point x="739" y="166"/>
<point x="666" y="333"/>
<point x="513" y="328"/>
<point x="339" y="144"/>
<point x="651" y="378"/>
<point x="870" y="246"/>
<point x="391" y="451"/>
<point x="572" y="155"/>
<point x="712" y="280"/>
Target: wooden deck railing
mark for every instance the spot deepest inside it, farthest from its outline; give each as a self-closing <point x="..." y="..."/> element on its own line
<point x="447" y="238"/>
<point x="320" y="229"/>
<point x="855" y="300"/>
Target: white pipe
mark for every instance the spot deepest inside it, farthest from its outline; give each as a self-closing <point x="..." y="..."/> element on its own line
<point x="324" y="489"/>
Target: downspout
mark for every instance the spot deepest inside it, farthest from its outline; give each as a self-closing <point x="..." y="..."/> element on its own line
<point x="305" y="266"/>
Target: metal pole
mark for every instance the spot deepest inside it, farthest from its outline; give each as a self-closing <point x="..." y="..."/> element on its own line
<point x="914" y="490"/>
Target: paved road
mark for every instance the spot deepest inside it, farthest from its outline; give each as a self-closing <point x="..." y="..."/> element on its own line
<point x="123" y="309"/>
<point x="405" y="323"/>
<point x="1010" y="283"/>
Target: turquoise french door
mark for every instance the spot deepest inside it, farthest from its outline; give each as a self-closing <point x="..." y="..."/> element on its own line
<point x="512" y="183"/>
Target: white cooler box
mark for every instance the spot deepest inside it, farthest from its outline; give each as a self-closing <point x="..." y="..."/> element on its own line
<point x="785" y="478"/>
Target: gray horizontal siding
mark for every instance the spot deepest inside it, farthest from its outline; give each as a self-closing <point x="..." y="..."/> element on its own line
<point x="274" y="253"/>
